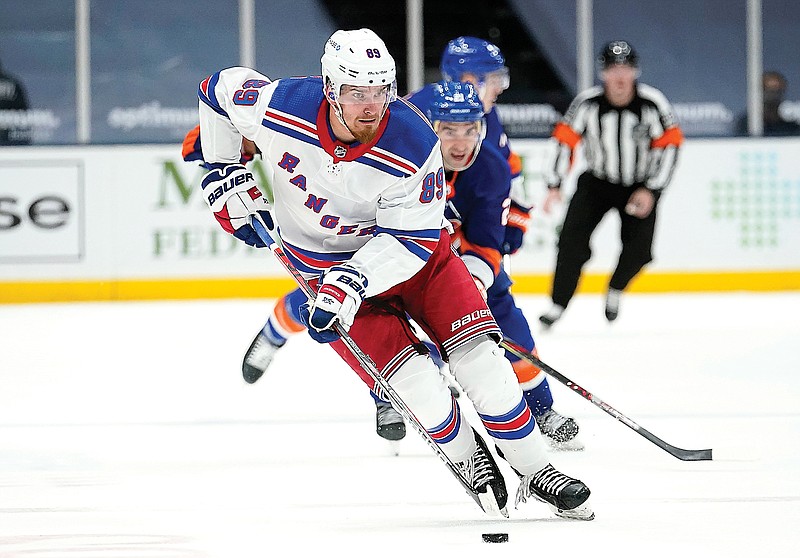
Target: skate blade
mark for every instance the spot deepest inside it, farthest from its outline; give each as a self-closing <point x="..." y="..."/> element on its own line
<point x="394" y="447"/>
<point x="490" y="505"/>
<point x="581" y="513"/>
<point x="571" y="445"/>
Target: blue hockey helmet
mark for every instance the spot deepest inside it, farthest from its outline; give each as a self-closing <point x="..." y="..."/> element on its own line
<point x="456" y="112"/>
<point x="475" y="56"/>
<point x="454" y="101"/>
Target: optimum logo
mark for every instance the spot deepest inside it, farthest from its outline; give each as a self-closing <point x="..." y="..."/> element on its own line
<point x="152" y="115"/>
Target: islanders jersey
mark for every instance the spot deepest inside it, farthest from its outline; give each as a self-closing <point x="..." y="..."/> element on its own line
<point x="478" y="202"/>
<point x="377" y="206"/>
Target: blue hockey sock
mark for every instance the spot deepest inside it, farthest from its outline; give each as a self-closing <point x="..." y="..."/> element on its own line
<point x="539" y="399"/>
<point x="272" y="334"/>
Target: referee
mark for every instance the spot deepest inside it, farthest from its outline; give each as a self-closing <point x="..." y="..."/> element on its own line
<point x="631" y="143"/>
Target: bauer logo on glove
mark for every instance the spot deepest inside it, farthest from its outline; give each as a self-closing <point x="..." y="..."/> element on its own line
<point x="234" y="197"/>
<point x="353" y="283"/>
<point x="235" y="180"/>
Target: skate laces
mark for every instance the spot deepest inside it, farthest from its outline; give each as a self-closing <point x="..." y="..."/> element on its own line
<point x="478" y="469"/>
<point x="547" y="481"/>
<point x="387" y="415"/>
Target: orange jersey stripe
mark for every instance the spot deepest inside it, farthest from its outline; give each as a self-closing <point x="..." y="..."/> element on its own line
<point x="563" y="133"/>
<point x="671" y="136"/>
<point x="284" y="319"/>
<point x="490" y="255"/>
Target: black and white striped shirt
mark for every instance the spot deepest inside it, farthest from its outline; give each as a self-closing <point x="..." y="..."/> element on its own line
<point x="635" y="144"/>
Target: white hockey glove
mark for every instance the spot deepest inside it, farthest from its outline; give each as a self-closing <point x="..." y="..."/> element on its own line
<point x="232" y="194"/>
<point x="340" y="295"/>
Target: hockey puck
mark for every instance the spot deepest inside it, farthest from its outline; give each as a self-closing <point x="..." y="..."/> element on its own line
<point x="495" y="537"/>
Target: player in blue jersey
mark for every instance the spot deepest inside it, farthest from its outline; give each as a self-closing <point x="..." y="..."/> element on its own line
<point x="358" y="208"/>
<point x="480" y="63"/>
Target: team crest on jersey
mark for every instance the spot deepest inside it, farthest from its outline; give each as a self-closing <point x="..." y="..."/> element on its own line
<point x="340" y="151"/>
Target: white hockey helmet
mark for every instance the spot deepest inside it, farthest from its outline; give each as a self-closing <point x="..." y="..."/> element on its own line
<point x="357" y="57"/>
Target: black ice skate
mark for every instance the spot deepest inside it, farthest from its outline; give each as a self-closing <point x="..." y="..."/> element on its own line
<point x="566" y="496"/>
<point x="389" y="423"/>
<point x="551" y="316"/>
<point x="612" y="304"/>
<point x="258" y="357"/>
<point x="484" y="476"/>
<point x="560" y="432"/>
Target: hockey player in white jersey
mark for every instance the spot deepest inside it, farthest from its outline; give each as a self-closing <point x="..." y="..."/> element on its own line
<point x="359" y="194"/>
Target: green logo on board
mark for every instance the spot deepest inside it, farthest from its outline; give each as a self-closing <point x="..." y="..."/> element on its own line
<point x="758" y="200"/>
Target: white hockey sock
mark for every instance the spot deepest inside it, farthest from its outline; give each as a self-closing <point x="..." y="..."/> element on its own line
<point x="490" y="382"/>
<point x="424" y="390"/>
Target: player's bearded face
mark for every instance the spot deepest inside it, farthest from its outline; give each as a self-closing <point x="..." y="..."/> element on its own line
<point x="459" y="140"/>
<point x="362" y="109"/>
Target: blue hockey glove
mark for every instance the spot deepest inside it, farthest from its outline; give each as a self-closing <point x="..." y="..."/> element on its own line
<point x="324" y="336"/>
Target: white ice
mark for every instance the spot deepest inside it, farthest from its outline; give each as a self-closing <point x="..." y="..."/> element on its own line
<point x="126" y="431"/>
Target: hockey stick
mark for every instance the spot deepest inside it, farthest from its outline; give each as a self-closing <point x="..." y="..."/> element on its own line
<point x="683" y="454"/>
<point x="370" y="368"/>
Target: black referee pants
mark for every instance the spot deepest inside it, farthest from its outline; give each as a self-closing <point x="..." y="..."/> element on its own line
<point x="594" y="198"/>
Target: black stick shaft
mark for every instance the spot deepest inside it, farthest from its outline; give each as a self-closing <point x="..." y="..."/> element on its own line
<point x="683" y="454"/>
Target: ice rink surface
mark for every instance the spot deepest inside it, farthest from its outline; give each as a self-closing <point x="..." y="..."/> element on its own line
<point x="126" y="431"/>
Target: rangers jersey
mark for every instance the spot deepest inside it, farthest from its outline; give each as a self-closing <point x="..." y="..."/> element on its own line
<point x="377" y="206"/>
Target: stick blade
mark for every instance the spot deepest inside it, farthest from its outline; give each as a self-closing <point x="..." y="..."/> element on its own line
<point x="692" y="455"/>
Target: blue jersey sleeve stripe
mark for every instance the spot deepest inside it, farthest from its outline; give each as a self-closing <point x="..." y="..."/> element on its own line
<point x="211" y="98"/>
<point x="420" y="251"/>
<point x="422" y="234"/>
